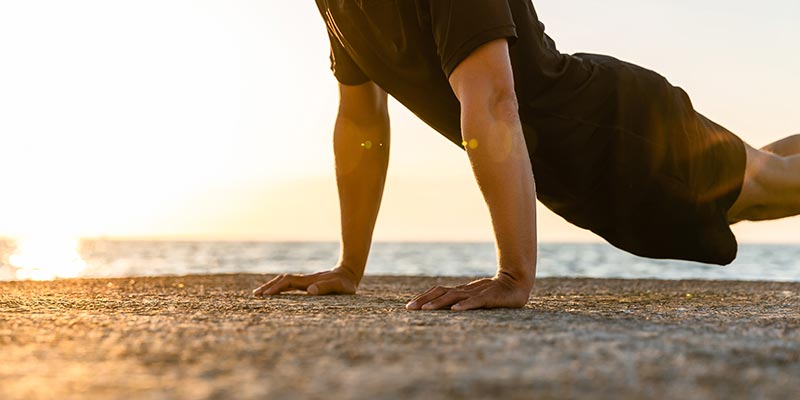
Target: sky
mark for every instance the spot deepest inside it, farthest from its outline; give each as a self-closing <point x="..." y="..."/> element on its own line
<point x="213" y="120"/>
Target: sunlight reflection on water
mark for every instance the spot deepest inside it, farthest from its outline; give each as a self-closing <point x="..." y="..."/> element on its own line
<point x="49" y="259"/>
<point x="46" y="258"/>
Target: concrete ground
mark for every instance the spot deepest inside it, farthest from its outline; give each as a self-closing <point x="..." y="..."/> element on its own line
<point x="206" y="337"/>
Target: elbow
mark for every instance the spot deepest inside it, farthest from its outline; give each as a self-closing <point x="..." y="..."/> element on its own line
<point x="491" y="128"/>
<point x="503" y="106"/>
<point x="366" y="121"/>
<point x="498" y="106"/>
<point x="364" y="104"/>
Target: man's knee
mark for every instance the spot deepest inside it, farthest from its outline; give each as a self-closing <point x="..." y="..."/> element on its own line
<point x="754" y="194"/>
<point x="771" y="188"/>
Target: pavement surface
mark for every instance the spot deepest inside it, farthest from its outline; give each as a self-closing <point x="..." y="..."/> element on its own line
<point x="198" y="337"/>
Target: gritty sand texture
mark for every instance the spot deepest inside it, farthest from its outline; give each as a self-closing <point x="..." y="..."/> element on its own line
<point x="206" y="337"/>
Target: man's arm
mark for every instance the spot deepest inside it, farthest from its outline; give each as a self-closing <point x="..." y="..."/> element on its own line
<point x="492" y="133"/>
<point x="361" y="149"/>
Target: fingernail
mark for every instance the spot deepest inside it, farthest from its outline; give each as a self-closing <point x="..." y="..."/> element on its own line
<point x="427" y="306"/>
<point x="456" y="307"/>
<point x="313" y="289"/>
<point x="412" y="305"/>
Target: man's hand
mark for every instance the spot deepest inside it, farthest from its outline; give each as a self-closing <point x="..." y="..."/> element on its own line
<point x="499" y="292"/>
<point x="336" y="281"/>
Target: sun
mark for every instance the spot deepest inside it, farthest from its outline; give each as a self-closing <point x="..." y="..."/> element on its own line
<point x="47" y="258"/>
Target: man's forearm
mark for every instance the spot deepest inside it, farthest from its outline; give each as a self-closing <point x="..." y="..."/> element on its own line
<point x="361" y="150"/>
<point x="496" y="147"/>
<point x="502" y="167"/>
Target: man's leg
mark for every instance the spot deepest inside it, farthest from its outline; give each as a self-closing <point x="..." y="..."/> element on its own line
<point x="771" y="188"/>
<point x="785" y="147"/>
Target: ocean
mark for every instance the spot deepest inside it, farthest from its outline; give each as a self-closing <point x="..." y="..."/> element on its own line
<point x="105" y="258"/>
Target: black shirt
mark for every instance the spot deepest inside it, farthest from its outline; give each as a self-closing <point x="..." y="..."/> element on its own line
<point x="410" y="47"/>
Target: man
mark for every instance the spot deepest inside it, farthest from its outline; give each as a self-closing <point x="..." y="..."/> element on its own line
<point x="614" y="147"/>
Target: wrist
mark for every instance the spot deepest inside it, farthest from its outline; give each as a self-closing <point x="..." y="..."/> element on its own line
<point x="353" y="274"/>
<point x="517" y="276"/>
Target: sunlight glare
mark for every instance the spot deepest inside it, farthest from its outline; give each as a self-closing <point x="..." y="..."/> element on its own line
<point x="46" y="258"/>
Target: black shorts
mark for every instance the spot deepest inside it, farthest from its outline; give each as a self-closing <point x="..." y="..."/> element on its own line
<point x="628" y="157"/>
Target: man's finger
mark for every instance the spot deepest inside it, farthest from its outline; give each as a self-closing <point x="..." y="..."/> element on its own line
<point x="260" y="290"/>
<point x="431" y="293"/>
<point x="277" y="286"/>
<point x="417" y="302"/>
<point x="446" y="300"/>
<point x="332" y="286"/>
<point x="288" y="282"/>
<point x="470" y="303"/>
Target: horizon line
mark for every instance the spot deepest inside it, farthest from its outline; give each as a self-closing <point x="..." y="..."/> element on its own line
<point x="255" y="239"/>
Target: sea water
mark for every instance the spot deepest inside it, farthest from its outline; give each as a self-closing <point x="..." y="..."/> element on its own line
<point x="104" y="258"/>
